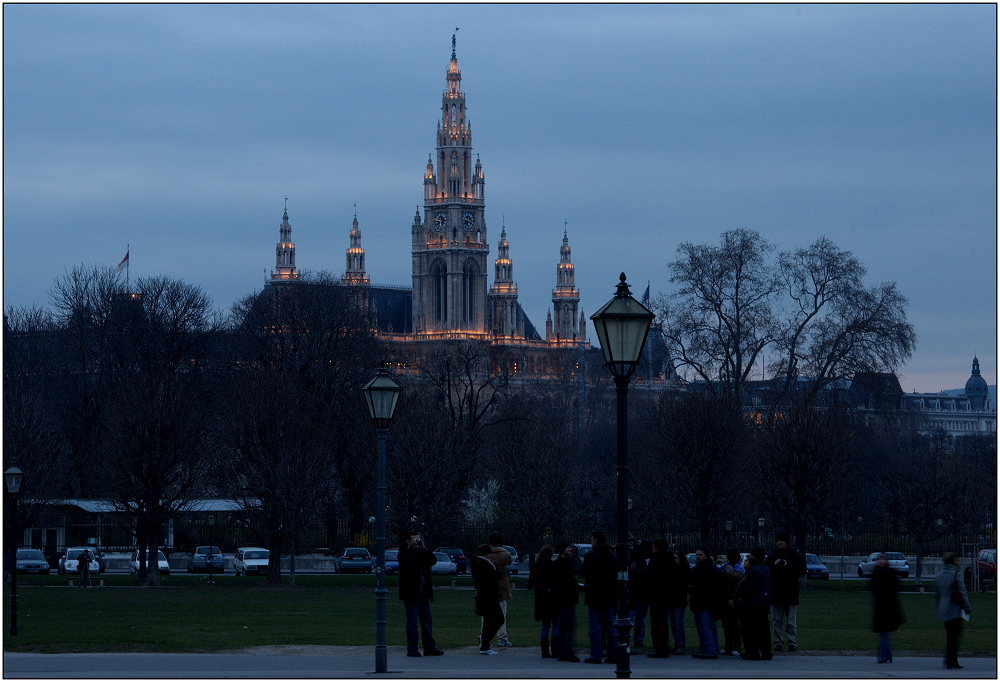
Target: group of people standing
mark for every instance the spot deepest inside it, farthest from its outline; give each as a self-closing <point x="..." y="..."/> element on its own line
<point x="739" y="593"/>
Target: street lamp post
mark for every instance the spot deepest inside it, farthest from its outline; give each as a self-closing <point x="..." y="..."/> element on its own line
<point x="12" y="479"/>
<point x="381" y="394"/>
<point x="622" y="326"/>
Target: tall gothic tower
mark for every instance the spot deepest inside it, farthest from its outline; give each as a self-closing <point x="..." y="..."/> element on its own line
<point x="503" y="293"/>
<point x="284" y="257"/>
<point x="449" y="246"/>
<point x="563" y="323"/>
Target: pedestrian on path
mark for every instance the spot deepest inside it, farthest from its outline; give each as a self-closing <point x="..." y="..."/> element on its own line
<point x="753" y="599"/>
<point x="501" y="559"/>
<point x="953" y="602"/>
<point x="486" y="577"/>
<point x="787" y="568"/>
<point x="416" y="590"/>
<point x="887" y="613"/>
<point x="83" y="561"/>
<point x="546" y="609"/>
<point x="708" y="592"/>
<point x="567" y="596"/>
<point x="677" y="590"/>
<point x="734" y="573"/>
<point x="600" y="572"/>
<point x="659" y="573"/>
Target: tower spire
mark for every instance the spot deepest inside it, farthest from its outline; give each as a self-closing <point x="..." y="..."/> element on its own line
<point x="565" y="326"/>
<point x="355" y="272"/>
<point x="284" y="256"/>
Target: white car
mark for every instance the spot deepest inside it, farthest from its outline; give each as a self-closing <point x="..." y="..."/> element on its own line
<point x="251" y="560"/>
<point x="897" y="562"/>
<point x="68" y="563"/>
<point x="133" y="563"/>
<point x="444" y="565"/>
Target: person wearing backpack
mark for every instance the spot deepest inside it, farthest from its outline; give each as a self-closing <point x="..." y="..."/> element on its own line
<point x="952" y="601"/>
<point x="753" y="600"/>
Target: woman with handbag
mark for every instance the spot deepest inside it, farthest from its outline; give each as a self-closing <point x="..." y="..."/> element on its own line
<point x="487" y="581"/>
<point x="953" y="601"/>
<point x="887" y="614"/>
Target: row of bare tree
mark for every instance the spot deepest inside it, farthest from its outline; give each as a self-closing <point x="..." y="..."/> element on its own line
<point x="140" y="394"/>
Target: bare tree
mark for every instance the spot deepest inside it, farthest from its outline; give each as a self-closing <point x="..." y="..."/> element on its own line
<point x="835" y="326"/>
<point x="721" y="317"/>
<point x="694" y="453"/>
<point x="807" y="463"/>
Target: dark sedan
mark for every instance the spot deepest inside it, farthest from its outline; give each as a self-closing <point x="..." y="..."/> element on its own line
<point x="32" y="561"/>
<point x="456" y="555"/>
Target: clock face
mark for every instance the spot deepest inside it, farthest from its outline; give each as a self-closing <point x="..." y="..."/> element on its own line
<point x="440" y="220"/>
<point x="468" y="220"/>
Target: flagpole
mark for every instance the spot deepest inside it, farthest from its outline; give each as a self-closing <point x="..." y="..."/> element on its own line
<point x="128" y="252"/>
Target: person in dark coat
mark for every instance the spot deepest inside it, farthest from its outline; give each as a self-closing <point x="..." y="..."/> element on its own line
<point x="678" y="597"/>
<point x="661" y="570"/>
<point x="887" y="614"/>
<point x="546" y="609"/>
<point x="708" y="592"/>
<point x="733" y="572"/>
<point x="487" y="577"/>
<point x="753" y="601"/>
<point x="787" y="568"/>
<point x="567" y="595"/>
<point x="417" y="592"/>
<point x="638" y="590"/>
<point x="951" y="608"/>
<point x="600" y="573"/>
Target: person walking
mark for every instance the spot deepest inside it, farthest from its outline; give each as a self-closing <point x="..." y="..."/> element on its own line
<point x="733" y="572"/>
<point x="83" y="562"/>
<point x="753" y="601"/>
<point x="501" y="559"/>
<point x="952" y="602"/>
<point x="660" y="572"/>
<point x="677" y="595"/>
<point x="486" y="578"/>
<point x="708" y="590"/>
<point x="787" y="568"/>
<point x="546" y="608"/>
<point x="600" y="573"/>
<point x="567" y="595"/>
<point x="887" y="613"/>
<point x="416" y="590"/>
<point x="638" y="589"/>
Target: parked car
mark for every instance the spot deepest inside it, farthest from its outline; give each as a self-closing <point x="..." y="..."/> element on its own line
<point x="897" y="562"/>
<point x="391" y="561"/>
<point x="133" y="563"/>
<point x="205" y="557"/>
<point x="987" y="560"/>
<point x="251" y="560"/>
<point x="515" y="561"/>
<point x="583" y="549"/>
<point x="354" y="560"/>
<point x="68" y="564"/>
<point x="457" y="555"/>
<point x="444" y="565"/>
<point x="816" y="568"/>
<point x="32" y="561"/>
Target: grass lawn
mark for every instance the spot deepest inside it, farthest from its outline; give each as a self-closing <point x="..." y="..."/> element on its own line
<point x="186" y="614"/>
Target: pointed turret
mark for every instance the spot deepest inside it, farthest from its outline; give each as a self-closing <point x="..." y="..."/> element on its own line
<point x="503" y="293"/>
<point x="565" y="300"/>
<point x="355" y="272"/>
<point x="284" y="257"/>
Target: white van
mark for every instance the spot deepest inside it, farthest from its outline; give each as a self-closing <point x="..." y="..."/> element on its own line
<point x="251" y="560"/>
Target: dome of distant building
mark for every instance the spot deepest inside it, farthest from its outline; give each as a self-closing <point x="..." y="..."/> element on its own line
<point x="976" y="387"/>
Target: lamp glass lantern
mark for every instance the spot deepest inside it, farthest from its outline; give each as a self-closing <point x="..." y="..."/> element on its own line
<point x="622" y="326"/>
<point x="12" y="478"/>
<point x="381" y="394"/>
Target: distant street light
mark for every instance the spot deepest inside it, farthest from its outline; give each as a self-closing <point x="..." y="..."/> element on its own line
<point x="622" y="326"/>
<point x="12" y="479"/>
<point x="381" y="394"/>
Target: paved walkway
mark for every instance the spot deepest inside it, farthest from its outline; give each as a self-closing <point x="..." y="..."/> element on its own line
<point x="517" y="662"/>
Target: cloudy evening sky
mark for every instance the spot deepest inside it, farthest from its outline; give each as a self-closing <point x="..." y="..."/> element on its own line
<point x="179" y="129"/>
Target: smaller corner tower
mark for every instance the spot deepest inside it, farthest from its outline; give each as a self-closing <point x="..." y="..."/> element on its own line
<point x="503" y="294"/>
<point x="355" y="272"/>
<point x="284" y="257"/>
<point x="567" y="323"/>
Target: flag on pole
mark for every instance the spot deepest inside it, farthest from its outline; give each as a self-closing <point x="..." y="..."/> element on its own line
<point x="124" y="263"/>
<point x="645" y="296"/>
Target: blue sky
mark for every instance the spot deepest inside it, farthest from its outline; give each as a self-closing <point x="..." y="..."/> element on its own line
<point x="179" y="129"/>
